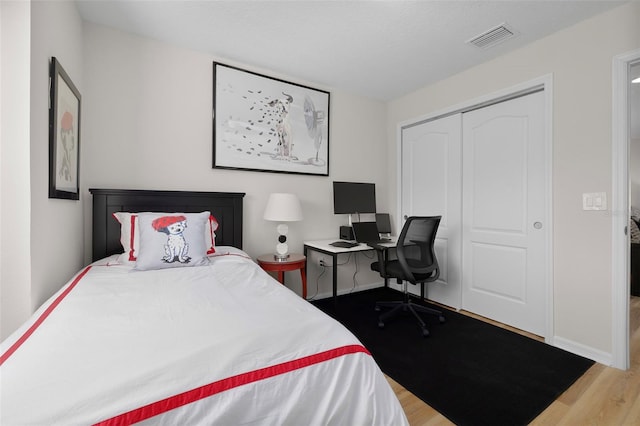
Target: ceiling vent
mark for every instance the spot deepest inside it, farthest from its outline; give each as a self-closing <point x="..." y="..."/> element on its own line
<point x="492" y="37"/>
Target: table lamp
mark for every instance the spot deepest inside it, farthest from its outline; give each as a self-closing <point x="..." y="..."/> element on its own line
<point x="282" y="207"/>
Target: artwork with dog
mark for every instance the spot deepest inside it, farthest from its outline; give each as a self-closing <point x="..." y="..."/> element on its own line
<point x="265" y="124"/>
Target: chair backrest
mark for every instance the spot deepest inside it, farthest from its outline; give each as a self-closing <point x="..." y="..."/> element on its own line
<point x="415" y="248"/>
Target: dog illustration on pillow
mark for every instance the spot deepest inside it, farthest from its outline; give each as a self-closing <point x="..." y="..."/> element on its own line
<point x="177" y="247"/>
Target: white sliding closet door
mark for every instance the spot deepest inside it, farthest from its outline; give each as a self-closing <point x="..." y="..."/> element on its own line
<point x="431" y="182"/>
<point x="504" y="205"/>
<point x="485" y="172"/>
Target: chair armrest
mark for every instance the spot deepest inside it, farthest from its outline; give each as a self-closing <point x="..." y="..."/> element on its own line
<point x="378" y="247"/>
<point x="381" y="251"/>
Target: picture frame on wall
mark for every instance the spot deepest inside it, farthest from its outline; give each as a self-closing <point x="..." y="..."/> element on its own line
<point x="64" y="134"/>
<point x="265" y="124"/>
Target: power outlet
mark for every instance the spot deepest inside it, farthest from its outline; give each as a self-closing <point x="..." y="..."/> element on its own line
<point x="322" y="263"/>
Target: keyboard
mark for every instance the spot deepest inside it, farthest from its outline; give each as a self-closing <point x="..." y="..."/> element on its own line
<point x="343" y="244"/>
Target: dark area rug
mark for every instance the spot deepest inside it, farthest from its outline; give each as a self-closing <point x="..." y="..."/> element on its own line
<point x="472" y="372"/>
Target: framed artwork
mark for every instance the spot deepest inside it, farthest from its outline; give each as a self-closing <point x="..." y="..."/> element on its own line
<point x="64" y="135"/>
<point x="265" y="124"/>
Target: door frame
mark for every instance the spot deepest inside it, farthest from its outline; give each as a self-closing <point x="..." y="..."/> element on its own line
<point x="544" y="83"/>
<point x="620" y="209"/>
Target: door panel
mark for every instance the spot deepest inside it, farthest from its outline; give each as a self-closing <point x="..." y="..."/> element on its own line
<point x="510" y="283"/>
<point x="431" y="180"/>
<point x="498" y="174"/>
<point x="503" y="249"/>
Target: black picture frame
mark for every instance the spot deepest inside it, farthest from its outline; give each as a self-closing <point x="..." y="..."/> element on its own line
<point x="64" y="134"/>
<point x="265" y="124"/>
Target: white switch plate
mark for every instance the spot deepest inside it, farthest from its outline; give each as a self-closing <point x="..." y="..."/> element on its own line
<point x="594" y="201"/>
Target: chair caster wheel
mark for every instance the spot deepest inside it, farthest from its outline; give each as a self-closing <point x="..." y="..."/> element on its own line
<point x="442" y="319"/>
<point x="425" y="332"/>
<point x="380" y="324"/>
<point x="377" y="308"/>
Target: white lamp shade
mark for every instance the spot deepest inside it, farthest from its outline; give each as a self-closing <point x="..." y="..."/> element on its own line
<point x="283" y="207"/>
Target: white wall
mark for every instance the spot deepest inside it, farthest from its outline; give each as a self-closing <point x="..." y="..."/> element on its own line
<point x="57" y="240"/>
<point x="580" y="59"/>
<point x="15" y="230"/>
<point x="42" y="241"/>
<point x="147" y="124"/>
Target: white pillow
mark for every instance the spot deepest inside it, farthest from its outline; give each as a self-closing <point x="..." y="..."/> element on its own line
<point x="172" y="240"/>
<point x="130" y="235"/>
<point x="128" y="239"/>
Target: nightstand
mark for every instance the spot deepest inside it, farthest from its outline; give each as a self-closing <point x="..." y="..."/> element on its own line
<point x="295" y="261"/>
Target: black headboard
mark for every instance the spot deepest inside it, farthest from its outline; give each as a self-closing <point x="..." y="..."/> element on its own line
<point x="225" y="206"/>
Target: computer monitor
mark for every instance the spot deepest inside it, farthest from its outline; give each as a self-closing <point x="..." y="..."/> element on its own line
<point x="384" y="223"/>
<point x="354" y="197"/>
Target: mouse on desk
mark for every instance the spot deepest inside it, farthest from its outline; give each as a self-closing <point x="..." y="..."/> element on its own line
<point x="343" y="244"/>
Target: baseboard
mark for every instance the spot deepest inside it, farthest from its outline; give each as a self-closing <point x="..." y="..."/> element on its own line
<point x="359" y="287"/>
<point x="582" y="350"/>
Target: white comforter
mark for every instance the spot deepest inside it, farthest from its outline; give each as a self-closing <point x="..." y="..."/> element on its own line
<point x="221" y="344"/>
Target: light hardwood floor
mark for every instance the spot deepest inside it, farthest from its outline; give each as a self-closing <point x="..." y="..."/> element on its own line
<point x="602" y="396"/>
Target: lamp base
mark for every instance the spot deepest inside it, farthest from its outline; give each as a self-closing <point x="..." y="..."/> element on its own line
<point x="280" y="257"/>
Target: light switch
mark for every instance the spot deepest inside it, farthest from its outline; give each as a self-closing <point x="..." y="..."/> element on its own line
<point x="594" y="201"/>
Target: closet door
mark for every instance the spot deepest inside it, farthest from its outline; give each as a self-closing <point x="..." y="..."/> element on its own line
<point x="431" y="179"/>
<point x="504" y="204"/>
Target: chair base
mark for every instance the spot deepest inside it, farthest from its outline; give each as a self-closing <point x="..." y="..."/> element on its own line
<point x="407" y="305"/>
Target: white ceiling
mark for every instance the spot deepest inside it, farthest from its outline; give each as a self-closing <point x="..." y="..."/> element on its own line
<point x="377" y="49"/>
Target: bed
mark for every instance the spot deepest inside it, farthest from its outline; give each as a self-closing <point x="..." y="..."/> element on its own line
<point x="217" y="343"/>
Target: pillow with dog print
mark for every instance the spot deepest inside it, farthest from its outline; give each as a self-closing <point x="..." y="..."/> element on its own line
<point x="172" y="240"/>
<point x="130" y="235"/>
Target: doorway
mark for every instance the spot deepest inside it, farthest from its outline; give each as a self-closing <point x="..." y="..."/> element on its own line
<point x="622" y="110"/>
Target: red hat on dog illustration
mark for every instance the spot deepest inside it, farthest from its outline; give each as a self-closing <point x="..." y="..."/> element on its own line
<point x="162" y="223"/>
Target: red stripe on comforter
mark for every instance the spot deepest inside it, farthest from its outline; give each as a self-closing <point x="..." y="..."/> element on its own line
<point x="211" y="389"/>
<point x="42" y="317"/>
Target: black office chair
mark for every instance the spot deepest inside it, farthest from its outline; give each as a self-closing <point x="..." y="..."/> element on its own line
<point x="416" y="263"/>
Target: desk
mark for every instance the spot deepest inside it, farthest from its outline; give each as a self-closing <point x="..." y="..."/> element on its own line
<point x="293" y="262"/>
<point x="325" y="247"/>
